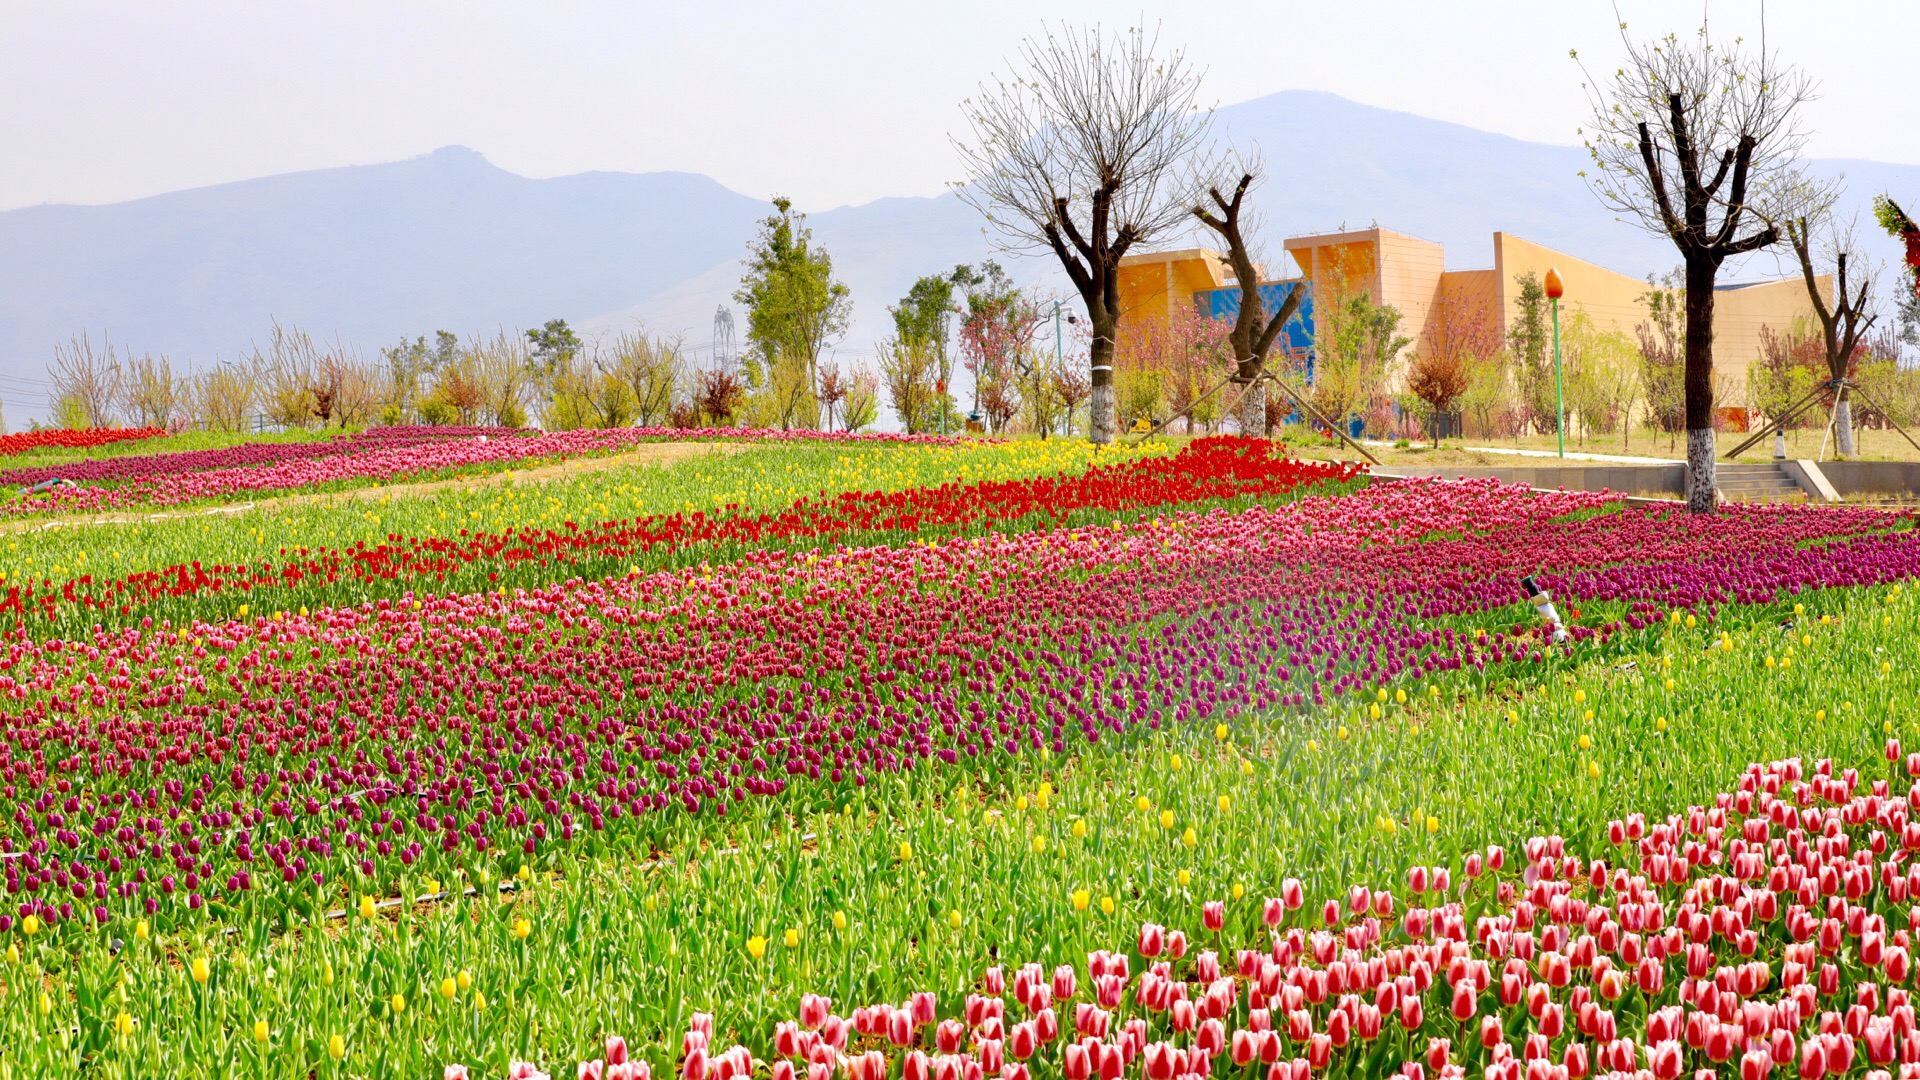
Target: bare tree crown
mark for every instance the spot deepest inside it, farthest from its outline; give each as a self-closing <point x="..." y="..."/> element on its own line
<point x="1686" y="136"/>
<point x="1088" y="147"/>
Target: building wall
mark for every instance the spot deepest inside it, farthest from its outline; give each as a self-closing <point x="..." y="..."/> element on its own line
<point x="1410" y="274"/>
<point x="1152" y="284"/>
<point x="1617" y="302"/>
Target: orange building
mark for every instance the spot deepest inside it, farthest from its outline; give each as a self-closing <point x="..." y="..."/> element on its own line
<point x="1410" y="274"/>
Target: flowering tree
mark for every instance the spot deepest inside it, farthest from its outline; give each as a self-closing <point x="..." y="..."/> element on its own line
<point x="1454" y="341"/>
<point x="996" y="341"/>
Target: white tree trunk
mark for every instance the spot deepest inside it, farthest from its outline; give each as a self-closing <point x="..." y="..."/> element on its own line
<point x="1253" y="410"/>
<point x="1702" y="489"/>
<point x="1101" y="421"/>
<point x="1843" y="425"/>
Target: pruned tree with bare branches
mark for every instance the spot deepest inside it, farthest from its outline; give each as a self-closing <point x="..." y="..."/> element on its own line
<point x="1819" y="240"/>
<point x="152" y="394"/>
<point x="1087" y="150"/>
<point x="1253" y="332"/>
<point x="86" y="381"/>
<point x="1683" y="138"/>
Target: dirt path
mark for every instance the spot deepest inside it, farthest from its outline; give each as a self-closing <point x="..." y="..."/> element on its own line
<point x="646" y="454"/>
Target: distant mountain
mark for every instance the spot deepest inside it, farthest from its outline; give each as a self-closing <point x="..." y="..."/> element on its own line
<point x="449" y="241"/>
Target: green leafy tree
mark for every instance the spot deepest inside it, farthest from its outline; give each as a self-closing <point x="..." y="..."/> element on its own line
<point x="795" y="307"/>
<point x="1529" y="338"/>
<point x="924" y="317"/>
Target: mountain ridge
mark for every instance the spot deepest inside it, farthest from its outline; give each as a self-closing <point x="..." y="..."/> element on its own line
<point x="447" y="240"/>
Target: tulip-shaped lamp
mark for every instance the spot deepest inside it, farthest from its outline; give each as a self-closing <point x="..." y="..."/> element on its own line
<point x="1555" y="290"/>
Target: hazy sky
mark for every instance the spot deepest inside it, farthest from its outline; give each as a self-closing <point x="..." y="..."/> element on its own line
<point x="829" y="103"/>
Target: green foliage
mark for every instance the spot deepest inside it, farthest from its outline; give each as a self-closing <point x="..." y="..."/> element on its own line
<point x="555" y="345"/>
<point x="1356" y="344"/>
<point x="70" y="413"/>
<point x="795" y="307"/>
<point x="1531" y="340"/>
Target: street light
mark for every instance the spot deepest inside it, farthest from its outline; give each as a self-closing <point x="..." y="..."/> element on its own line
<point x="1555" y="290"/>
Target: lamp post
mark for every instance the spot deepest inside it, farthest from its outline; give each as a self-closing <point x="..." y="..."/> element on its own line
<point x="1555" y="290"/>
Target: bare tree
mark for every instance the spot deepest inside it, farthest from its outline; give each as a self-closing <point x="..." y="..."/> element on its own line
<point x="224" y="395"/>
<point x="652" y="366"/>
<point x="1253" y="333"/>
<point x="1816" y="237"/>
<point x="505" y="377"/>
<point x="1682" y="139"/>
<point x="86" y="383"/>
<point x="907" y="368"/>
<point x="153" y="395"/>
<point x="287" y="376"/>
<point x="1087" y="151"/>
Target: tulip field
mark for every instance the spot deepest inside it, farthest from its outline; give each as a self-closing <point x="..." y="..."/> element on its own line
<point x="930" y="759"/>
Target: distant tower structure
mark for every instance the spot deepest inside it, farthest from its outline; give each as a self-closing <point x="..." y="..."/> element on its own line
<point x="726" y="355"/>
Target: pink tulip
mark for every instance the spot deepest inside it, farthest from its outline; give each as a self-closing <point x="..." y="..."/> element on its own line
<point x="814" y="1010"/>
<point x="1153" y="939"/>
<point x="454" y="1072"/>
<point x="591" y="1070"/>
<point x="1213" y="915"/>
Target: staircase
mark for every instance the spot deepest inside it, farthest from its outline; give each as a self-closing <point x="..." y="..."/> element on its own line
<point x="1757" y="483"/>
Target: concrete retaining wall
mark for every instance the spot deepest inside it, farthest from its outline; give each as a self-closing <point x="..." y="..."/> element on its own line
<point x="1645" y="481"/>
<point x="1859" y="478"/>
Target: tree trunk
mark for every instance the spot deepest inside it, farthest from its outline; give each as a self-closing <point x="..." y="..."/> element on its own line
<point x="1702" y="486"/>
<point x="1843" y="425"/>
<point x="1101" y="421"/>
<point x="1253" y="410"/>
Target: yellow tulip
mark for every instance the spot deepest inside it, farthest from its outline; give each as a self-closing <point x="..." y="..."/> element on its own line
<point x="448" y="988"/>
<point x="336" y="1047"/>
<point x="1106" y="905"/>
<point x="1039" y="844"/>
<point x="1081" y="898"/>
<point x="521" y="928"/>
<point x="953" y="919"/>
<point x="791" y="937"/>
<point x="30" y="925"/>
<point x="1166" y="819"/>
<point x="367" y="909"/>
<point x="260" y="1032"/>
<point x="1224" y="803"/>
<point x="1220" y="732"/>
<point x="839" y="920"/>
<point x="123" y="1023"/>
<point x="756" y="946"/>
<point x="1189" y="838"/>
<point x="1079" y="828"/>
<point x="399" y="1003"/>
<point x="202" y="971"/>
<point x="1184" y="876"/>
